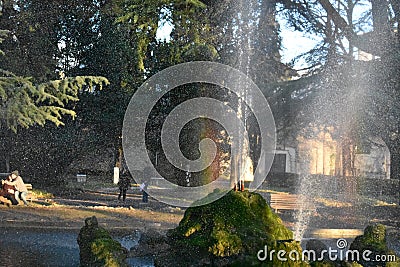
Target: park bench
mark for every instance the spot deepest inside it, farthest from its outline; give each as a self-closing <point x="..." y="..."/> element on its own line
<point x="291" y="202"/>
<point x="29" y="187"/>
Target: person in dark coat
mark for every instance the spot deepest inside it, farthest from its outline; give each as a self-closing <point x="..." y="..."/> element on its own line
<point x="124" y="184"/>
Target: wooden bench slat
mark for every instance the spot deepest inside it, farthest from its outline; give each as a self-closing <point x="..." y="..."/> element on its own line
<point x="29" y="187"/>
<point x="290" y="202"/>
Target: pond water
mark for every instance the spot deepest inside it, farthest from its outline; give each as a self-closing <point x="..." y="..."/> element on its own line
<point x="58" y="248"/>
<point x="38" y="248"/>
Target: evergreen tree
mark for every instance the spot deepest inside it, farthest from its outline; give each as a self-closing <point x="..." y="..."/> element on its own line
<point x="30" y="100"/>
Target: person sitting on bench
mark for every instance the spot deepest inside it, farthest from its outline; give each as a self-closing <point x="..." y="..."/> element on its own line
<point x="21" y="190"/>
<point x="8" y="191"/>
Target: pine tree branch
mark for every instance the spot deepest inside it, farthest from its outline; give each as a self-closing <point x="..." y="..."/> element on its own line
<point x="24" y="104"/>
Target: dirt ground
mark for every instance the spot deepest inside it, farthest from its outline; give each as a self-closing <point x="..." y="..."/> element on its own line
<point x="69" y="212"/>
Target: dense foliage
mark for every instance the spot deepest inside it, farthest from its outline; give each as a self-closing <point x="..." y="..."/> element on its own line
<point x="53" y="53"/>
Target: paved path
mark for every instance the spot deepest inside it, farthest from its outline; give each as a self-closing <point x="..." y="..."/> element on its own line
<point x="70" y="212"/>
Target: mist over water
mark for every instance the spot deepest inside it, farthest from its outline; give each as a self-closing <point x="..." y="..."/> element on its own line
<point x="336" y="111"/>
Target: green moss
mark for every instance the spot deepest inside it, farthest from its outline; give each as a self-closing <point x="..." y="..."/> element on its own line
<point x="335" y="264"/>
<point x="106" y="252"/>
<point x="374" y="239"/>
<point x="234" y="228"/>
<point x="225" y="243"/>
<point x="97" y="248"/>
<point x="323" y="264"/>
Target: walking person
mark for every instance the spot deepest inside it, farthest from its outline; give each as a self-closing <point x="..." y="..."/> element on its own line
<point x="143" y="188"/>
<point x="123" y="184"/>
<point x="147" y="173"/>
<point x="20" y="188"/>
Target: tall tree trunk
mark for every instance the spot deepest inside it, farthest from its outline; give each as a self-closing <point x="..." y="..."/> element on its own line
<point x="396" y="9"/>
<point x="382" y="38"/>
<point x="7" y="161"/>
<point x="6" y="145"/>
<point x="394" y="149"/>
<point x="372" y="43"/>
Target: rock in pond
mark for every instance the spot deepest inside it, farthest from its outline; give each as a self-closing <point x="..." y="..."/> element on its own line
<point x="229" y="232"/>
<point x="374" y="240"/>
<point x="97" y="248"/>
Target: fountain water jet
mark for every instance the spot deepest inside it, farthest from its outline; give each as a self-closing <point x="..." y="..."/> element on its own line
<point x="340" y="100"/>
<point x="241" y="163"/>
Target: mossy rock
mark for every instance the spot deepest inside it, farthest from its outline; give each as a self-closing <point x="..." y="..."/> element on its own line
<point x="97" y="248"/>
<point x="229" y="232"/>
<point x="324" y="263"/>
<point x="374" y="240"/>
<point x="327" y="263"/>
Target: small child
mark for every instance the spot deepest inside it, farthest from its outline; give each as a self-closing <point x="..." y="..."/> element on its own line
<point x="143" y="188"/>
